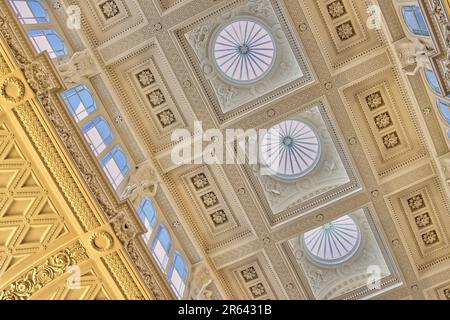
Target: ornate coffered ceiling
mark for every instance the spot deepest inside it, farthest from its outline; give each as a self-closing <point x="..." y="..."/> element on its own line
<point x="383" y="158"/>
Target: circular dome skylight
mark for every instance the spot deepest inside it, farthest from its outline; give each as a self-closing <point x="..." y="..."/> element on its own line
<point x="290" y="149"/>
<point x="334" y="242"/>
<point x="244" y="50"/>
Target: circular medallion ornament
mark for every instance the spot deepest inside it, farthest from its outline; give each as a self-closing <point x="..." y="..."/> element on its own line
<point x="12" y="90"/>
<point x="101" y="241"/>
<point x="290" y="150"/>
<point x="244" y="50"/>
<point x="334" y="242"/>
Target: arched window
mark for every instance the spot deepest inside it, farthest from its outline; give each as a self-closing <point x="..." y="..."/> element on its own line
<point x="116" y="166"/>
<point x="147" y="213"/>
<point x="415" y="21"/>
<point x="48" y="40"/>
<point x="80" y="101"/>
<point x="178" y="275"/>
<point x="444" y="108"/>
<point x="30" y="11"/>
<point x="161" y="246"/>
<point x="433" y="80"/>
<point x="98" y="134"/>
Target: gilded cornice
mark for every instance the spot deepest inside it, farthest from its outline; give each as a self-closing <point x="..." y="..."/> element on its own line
<point x="440" y="23"/>
<point x="44" y="82"/>
<point x="41" y="275"/>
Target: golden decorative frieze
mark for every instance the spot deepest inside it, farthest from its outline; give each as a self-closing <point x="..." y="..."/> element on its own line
<point x="40" y="276"/>
<point x="12" y="90"/>
<point x="48" y="152"/>
<point x="101" y="241"/>
<point x="117" y="268"/>
<point x="32" y="116"/>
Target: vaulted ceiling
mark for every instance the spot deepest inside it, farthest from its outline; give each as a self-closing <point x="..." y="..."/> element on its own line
<point x="383" y="162"/>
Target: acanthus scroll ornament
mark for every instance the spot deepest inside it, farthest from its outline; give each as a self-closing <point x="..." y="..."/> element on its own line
<point x="145" y="273"/>
<point x="37" y="78"/>
<point x="40" y="276"/>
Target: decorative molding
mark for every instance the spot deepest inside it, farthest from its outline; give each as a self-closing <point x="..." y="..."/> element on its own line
<point x="419" y="213"/>
<point x="119" y="272"/>
<point x="439" y="18"/>
<point x="40" y="76"/>
<point x="40" y="276"/>
<point x="346" y="38"/>
<point x="228" y="100"/>
<point x="346" y="280"/>
<point x="12" y="90"/>
<point x="55" y="164"/>
<point x="101" y="241"/>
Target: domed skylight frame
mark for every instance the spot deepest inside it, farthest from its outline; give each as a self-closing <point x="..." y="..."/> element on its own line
<point x="244" y="50"/>
<point x="290" y="150"/>
<point x="333" y="243"/>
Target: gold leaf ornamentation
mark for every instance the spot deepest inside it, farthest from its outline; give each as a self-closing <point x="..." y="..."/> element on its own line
<point x="12" y="90"/>
<point x="40" y="276"/>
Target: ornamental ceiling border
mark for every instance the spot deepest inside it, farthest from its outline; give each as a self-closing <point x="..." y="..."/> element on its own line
<point x="44" y="272"/>
<point x="149" y="147"/>
<point x="36" y="71"/>
<point x="439" y="22"/>
<point x="148" y="144"/>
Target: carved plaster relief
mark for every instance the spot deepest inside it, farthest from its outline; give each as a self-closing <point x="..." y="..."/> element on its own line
<point x="421" y="214"/>
<point x="329" y="174"/>
<point x="219" y="214"/>
<point x="349" y="279"/>
<point x="109" y="18"/>
<point x="29" y="220"/>
<point x="334" y="176"/>
<point x="91" y="287"/>
<point x="383" y="114"/>
<point x="254" y="279"/>
<point x="155" y="102"/>
<point x="290" y="69"/>
<point x="340" y="26"/>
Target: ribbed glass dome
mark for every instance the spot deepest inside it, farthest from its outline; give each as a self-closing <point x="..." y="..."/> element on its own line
<point x="334" y="242"/>
<point x="291" y="149"/>
<point x="244" y="50"/>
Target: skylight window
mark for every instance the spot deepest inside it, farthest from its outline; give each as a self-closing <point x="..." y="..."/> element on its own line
<point x="334" y="242"/>
<point x="244" y="50"/>
<point x="290" y="149"/>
